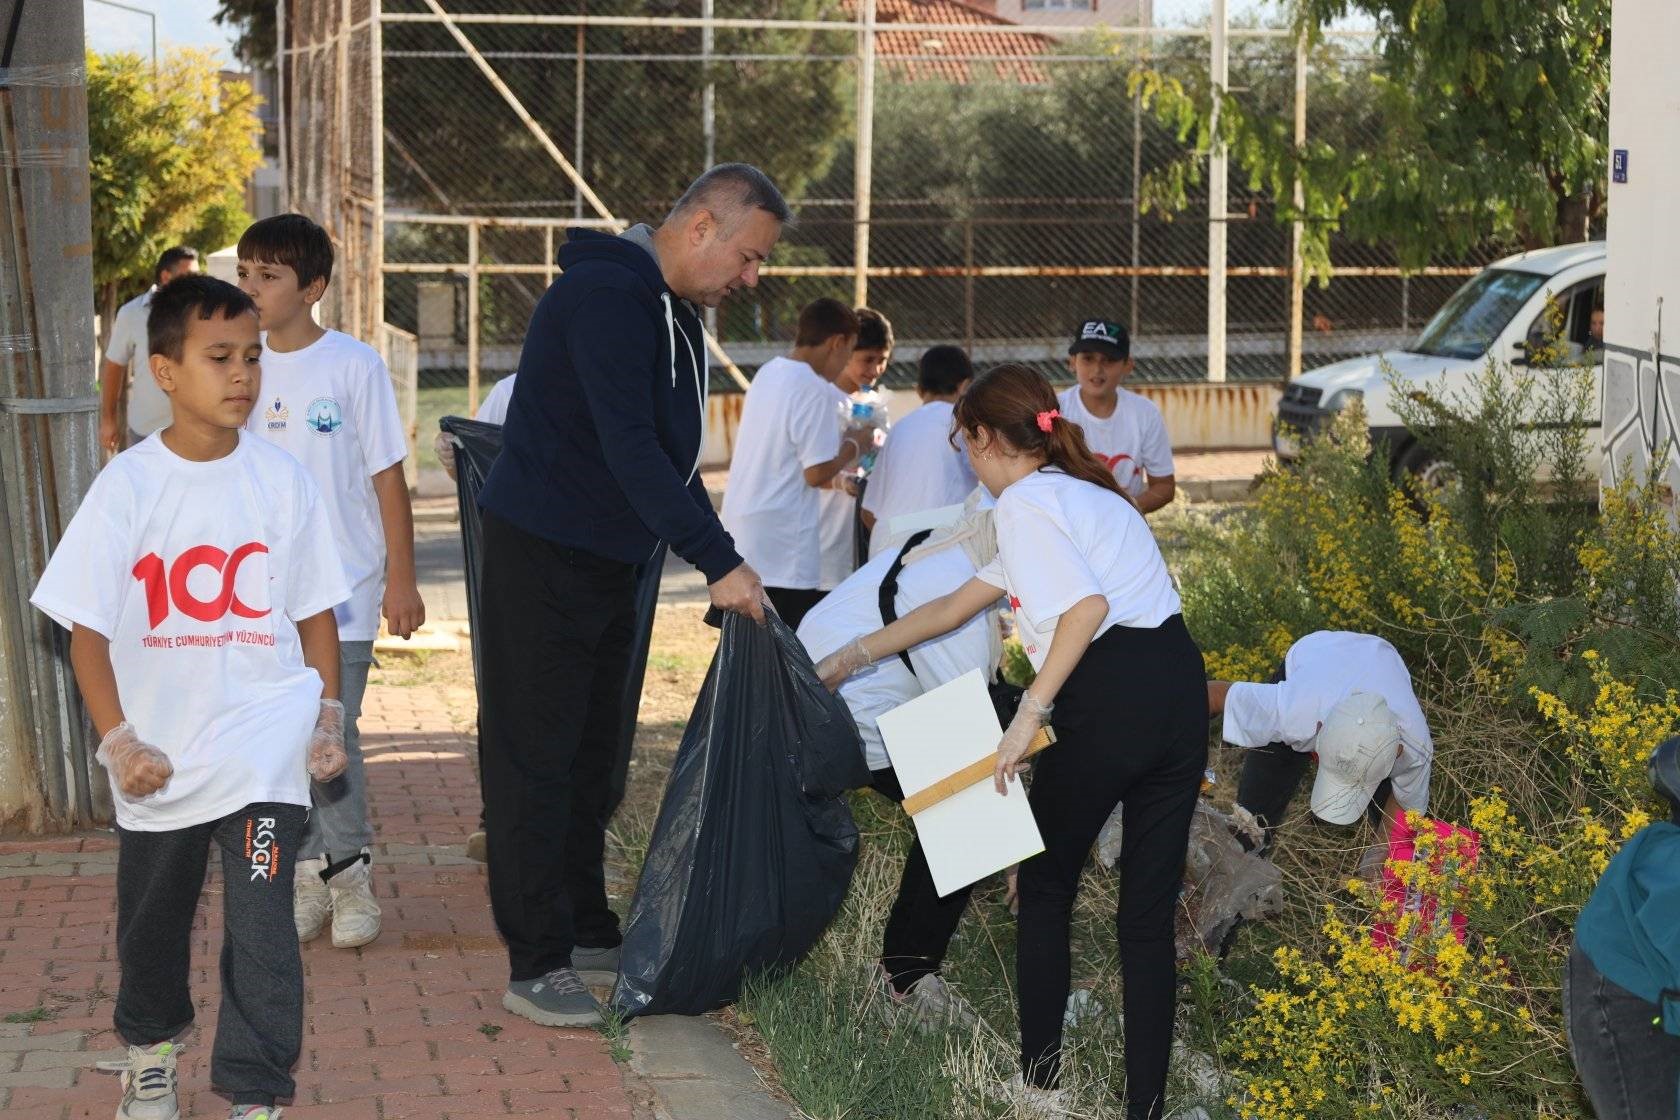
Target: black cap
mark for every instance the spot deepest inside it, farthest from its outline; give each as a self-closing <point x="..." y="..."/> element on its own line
<point x="1102" y="336"/>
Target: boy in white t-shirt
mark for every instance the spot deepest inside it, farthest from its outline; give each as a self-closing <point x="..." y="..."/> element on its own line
<point x="1121" y="428"/>
<point x="853" y="388"/>
<point x="920" y="467"/>
<point x="789" y="447"/>
<point x="328" y="400"/>
<point x="197" y="581"/>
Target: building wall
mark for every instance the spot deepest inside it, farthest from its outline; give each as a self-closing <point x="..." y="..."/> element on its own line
<point x="1074" y="13"/>
<point x="1642" y="361"/>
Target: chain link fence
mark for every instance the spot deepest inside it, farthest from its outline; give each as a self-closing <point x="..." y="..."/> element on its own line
<point x="1005" y="195"/>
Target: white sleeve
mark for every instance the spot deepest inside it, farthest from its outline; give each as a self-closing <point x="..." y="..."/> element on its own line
<point x="315" y="579"/>
<point x="379" y="426"/>
<point x="91" y="568"/>
<point x="813" y="427"/>
<point x="1411" y="778"/>
<point x="1252" y="718"/>
<point x="1155" y="452"/>
<point x="875" y="492"/>
<point x="1049" y="573"/>
<point x="993" y="574"/>
<point x="127" y="332"/>
<point x="494" y="408"/>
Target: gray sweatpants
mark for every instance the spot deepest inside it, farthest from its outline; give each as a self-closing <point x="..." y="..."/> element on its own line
<point x="338" y="822"/>
<point x="259" y="1029"/>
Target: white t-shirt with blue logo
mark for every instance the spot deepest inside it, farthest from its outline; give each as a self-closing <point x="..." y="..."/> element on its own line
<point x="332" y="405"/>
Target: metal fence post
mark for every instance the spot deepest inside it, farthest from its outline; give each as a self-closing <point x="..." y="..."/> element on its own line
<point x="472" y="318"/>
<point x="1218" y="205"/>
<point x="865" y="152"/>
<point x="1298" y="197"/>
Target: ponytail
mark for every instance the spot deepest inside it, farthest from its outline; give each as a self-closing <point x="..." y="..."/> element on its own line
<point x="1017" y="403"/>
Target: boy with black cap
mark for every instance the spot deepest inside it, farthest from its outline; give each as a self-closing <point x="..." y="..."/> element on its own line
<point x="1122" y="428"/>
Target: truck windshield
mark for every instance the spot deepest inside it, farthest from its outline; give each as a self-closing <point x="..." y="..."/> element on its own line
<point x="1469" y="322"/>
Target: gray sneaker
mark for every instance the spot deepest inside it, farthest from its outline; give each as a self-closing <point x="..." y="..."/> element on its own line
<point x="556" y="1000"/>
<point x="929" y="1005"/>
<point x="148" y="1083"/>
<point x="596" y="966"/>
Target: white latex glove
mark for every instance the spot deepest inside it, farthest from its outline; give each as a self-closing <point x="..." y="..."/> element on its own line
<point x="139" y="768"/>
<point x="843" y="662"/>
<point x="444" y="447"/>
<point x="1029" y="717"/>
<point x="327" y="758"/>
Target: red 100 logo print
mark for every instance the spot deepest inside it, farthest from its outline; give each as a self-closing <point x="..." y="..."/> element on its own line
<point x="160" y="590"/>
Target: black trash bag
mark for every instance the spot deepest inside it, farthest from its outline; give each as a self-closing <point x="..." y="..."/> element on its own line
<point x="755" y="845"/>
<point x="477" y="445"/>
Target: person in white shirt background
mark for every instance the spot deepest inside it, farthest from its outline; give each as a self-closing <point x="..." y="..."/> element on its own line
<point x="327" y="398"/>
<point x="788" y="448"/>
<point x="491" y="410"/>
<point x="931" y="564"/>
<point x="1347" y="699"/>
<point x="198" y="579"/>
<point x="1123" y="683"/>
<point x="125" y="371"/>
<point x="1124" y="430"/>
<point x="921" y="466"/>
<point x="855" y="386"/>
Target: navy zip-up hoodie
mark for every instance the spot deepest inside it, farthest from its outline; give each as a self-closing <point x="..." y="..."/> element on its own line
<point x="602" y="443"/>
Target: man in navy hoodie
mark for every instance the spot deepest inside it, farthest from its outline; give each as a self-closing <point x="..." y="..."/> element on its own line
<point x="600" y="461"/>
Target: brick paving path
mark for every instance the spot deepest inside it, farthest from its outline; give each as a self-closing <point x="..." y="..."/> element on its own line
<point x="408" y="1027"/>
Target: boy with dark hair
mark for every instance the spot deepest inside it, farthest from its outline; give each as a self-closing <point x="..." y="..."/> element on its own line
<point x="328" y="400"/>
<point x="919" y="467"/>
<point x="197" y="581"/>
<point x="1124" y="429"/>
<point x="125" y="369"/>
<point x="863" y="407"/>
<point x="788" y="447"/>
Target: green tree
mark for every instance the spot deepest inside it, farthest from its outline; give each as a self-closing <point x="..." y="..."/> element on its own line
<point x="1479" y="121"/>
<point x="169" y="157"/>
<point x="256" y="27"/>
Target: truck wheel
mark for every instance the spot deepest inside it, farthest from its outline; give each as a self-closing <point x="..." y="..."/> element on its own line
<point x="1422" y="471"/>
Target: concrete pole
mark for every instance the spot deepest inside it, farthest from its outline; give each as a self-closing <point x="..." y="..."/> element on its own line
<point x="1218" y="206"/>
<point x="472" y="319"/>
<point x="1296" y="228"/>
<point x="708" y="113"/>
<point x="48" y="450"/>
<point x="864" y="161"/>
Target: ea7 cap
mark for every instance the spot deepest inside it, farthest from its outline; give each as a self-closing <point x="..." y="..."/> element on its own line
<point x="1104" y="337"/>
<point x="1357" y="747"/>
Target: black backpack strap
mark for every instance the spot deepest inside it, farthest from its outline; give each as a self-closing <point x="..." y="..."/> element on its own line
<point x="889" y="589"/>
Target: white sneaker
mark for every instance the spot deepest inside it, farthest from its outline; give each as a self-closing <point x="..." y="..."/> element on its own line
<point x="148" y="1082"/>
<point x="1039" y="1104"/>
<point x="930" y="1004"/>
<point x="310" y="901"/>
<point x="355" y="914"/>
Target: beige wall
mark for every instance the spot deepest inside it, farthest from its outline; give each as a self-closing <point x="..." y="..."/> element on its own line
<point x="1117" y="12"/>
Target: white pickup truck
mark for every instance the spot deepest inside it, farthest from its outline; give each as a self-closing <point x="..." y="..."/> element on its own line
<point x="1501" y="313"/>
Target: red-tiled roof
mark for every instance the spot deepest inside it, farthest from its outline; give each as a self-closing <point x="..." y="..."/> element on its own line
<point x="954" y="56"/>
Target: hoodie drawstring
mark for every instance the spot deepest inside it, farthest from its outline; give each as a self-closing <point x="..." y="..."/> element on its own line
<point x="702" y="378"/>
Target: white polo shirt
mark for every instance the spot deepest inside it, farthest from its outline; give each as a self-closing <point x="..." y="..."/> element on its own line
<point x="916" y="469"/>
<point x="1132" y="441"/>
<point x="854" y="608"/>
<point x="148" y="406"/>
<point x="788" y="424"/>
<point x="1061" y="540"/>
<point x="1318" y="673"/>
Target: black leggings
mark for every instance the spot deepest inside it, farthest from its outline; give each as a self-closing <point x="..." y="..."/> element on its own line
<point x="1131" y="727"/>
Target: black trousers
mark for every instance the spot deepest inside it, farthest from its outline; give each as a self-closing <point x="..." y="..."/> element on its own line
<point x="793" y="603"/>
<point x="1628" y="1064"/>
<point x="555" y="626"/>
<point x="921" y="923"/>
<point x="259" y="1029"/>
<point x="1131" y="727"/>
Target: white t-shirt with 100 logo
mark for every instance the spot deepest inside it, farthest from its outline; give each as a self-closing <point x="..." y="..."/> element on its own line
<point x="197" y="573"/>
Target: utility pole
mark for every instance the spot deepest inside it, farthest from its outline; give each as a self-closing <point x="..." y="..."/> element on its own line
<point x="863" y="178"/>
<point x="1219" y="65"/>
<point x="48" y="451"/>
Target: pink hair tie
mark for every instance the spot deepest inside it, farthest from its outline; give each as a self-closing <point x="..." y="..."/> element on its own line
<point x="1045" y="419"/>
